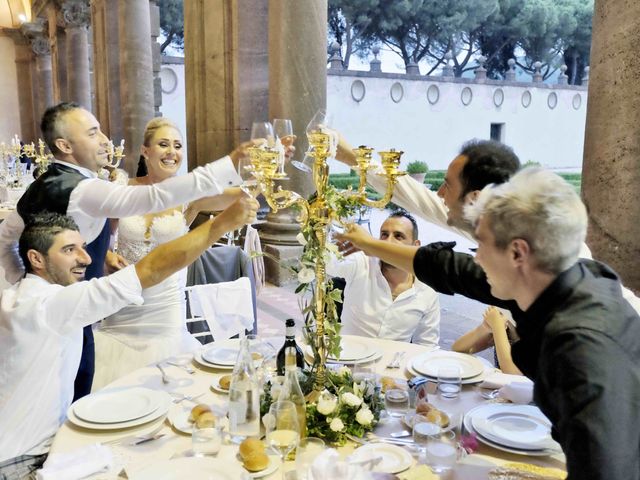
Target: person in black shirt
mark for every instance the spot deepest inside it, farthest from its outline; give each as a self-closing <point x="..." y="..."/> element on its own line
<point x="579" y="339"/>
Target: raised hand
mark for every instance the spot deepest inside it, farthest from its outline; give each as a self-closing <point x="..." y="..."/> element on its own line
<point x="494" y="319"/>
<point x="352" y="240"/>
<point x="241" y="212"/>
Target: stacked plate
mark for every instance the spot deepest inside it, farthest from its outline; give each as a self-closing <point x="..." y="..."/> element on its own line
<point x="354" y="350"/>
<point x="427" y="364"/>
<point x="119" y="408"/>
<point x="521" y="429"/>
<point x="221" y="355"/>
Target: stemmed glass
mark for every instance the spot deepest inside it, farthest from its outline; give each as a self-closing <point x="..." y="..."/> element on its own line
<point x="249" y="183"/>
<point x="283" y="129"/>
<point x="306" y="165"/>
<point x="283" y="429"/>
<point x="262" y="130"/>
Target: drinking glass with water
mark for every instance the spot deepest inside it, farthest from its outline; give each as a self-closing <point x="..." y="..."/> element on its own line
<point x="449" y="381"/>
<point x="396" y="402"/>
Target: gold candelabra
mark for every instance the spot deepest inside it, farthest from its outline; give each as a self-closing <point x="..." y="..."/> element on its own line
<point x="318" y="213"/>
<point x="40" y="157"/>
<point x="115" y="154"/>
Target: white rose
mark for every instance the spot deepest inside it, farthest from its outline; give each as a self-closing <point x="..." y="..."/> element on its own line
<point x="336" y="425"/>
<point x="301" y="240"/>
<point x="306" y="275"/>
<point x="344" y="371"/>
<point x="364" y="416"/>
<point x="351" y="399"/>
<point x="327" y="404"/>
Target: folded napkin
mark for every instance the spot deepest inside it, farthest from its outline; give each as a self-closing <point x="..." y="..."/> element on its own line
<point x="518" y="392"/>
<point x="79" y="464"/>
<point x="252" y="246"/>
<point x="227" y="307"/>
<point x="328" y="466"/>
<point x="497" y="379"/>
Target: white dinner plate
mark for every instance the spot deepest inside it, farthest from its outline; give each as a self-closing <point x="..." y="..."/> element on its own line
<point x="468" y="425"/>
<point x="194" y="468"/>
<point x="353" y="349"/>
<point x="465" y="381"/>
<point x="517" y="426"/>
<point x="222" y="353"/>
<point x="197" y="356"/>
<point x="164" y="400"/>
<point x="394" y="459"/>
<point x="116" y="405"/>
<point x="429" y="363"/>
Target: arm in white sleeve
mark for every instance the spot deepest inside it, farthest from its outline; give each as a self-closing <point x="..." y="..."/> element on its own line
<point x="428" y="330"/>
<point x="417" y="199"/>
<point x="99" y="198"/>
<point x="10" y="231"/>
<point x="84" y="303"/>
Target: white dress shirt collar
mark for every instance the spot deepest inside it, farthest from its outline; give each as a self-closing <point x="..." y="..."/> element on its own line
<point x="84" y="171"/>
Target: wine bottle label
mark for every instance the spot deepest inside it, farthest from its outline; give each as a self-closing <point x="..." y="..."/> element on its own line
<point x="291" y="332"/>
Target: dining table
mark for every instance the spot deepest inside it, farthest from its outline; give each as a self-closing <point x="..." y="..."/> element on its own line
<point x="188" y="381"/>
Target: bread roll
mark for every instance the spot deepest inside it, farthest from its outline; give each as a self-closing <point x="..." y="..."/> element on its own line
<point x="206" y="420"/>
<point x="225" y="382"/>
<point x="197" y="411"/>
<point x="256" y="461"/>
<point x="249" y="446"/>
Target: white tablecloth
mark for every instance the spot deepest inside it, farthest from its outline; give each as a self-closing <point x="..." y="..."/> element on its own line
<point x="70" y="437"/>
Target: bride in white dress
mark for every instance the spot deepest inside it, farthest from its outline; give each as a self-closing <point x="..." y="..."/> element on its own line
<point x="142" y="334"/>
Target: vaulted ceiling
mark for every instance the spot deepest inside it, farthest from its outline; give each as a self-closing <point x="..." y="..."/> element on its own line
<point x="14" y="12"/>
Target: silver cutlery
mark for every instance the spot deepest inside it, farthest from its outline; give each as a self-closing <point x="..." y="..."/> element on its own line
<point x="489" y="394"/>
<point x="184" y="366"/>
<point x="129" y="438"/>
<point x="393" y="360"/>
<point x="399" y="359"/>
<point x="145" y="440"/>
<point x="403" y="433"/>
<point x="188" y="398"/>
<point x="165" y="378"/>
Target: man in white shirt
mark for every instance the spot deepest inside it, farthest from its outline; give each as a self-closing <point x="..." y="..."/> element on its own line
<point x="71" y="187"/>
<point x="479" y="163"/>
<point x="383" y="301"/>
<point x="42" y="317"/>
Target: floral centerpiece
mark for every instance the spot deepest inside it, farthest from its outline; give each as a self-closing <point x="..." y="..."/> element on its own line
<point x="347" y="406"/>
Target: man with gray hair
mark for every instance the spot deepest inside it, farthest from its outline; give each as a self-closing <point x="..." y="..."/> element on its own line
<point x="579" y="341"/>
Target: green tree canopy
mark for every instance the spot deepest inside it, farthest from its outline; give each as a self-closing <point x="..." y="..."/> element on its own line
<point x="172" y="23"/>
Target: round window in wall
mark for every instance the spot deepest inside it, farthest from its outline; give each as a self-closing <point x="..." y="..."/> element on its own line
<point x="358" y="90"/>
<point x="576" y="101"/>
<point x="552" y="100"/>
<point x="433" y="94"/>
<point x="168" y="80"/>
<point x="498" y="97"/>
<point x="397" y="92"/>
<point x="466" y="96"/>
<point x="526" y="99"/>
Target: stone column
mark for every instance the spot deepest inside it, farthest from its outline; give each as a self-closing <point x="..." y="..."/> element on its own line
<point x="106" y="68"/>
<point x="226" y="74"/>
<point x="76" y="15"/>
<point x="61" y="42"/>
<point x="156" y="56"/>
<point x="136" y="75"/>
<point x="611" y="171"/>
<point x="24" y="60"/>
<point x="40" y="46"/>
<point x="297" y="90"/>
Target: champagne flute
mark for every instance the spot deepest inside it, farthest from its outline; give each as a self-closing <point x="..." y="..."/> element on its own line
<point x="283" y="429"/>
<point x="249" y="184"/>
<point x="283" y="129"/>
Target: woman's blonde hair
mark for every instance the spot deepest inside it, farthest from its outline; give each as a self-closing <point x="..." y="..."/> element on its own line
<point x="153" y="126"/>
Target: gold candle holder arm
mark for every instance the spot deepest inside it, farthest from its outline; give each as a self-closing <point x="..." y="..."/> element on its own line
<point x="390" y="170"/>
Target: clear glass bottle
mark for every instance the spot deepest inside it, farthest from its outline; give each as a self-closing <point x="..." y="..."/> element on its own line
<point x="244" y="397"/>
<point x="291" y="389"/>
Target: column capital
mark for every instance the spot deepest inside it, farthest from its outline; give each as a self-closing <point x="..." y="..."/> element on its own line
<point x="40" y="45"/>
<point x="75" y="13"/>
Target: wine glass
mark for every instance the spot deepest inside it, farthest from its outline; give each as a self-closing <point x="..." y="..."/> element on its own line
<point x="249" y="184"/>
<point x="262" y="130"/>
<point x="283" y="429"/>
<point x="306" y="165"/>
<point x="319" y="122"/>
<point x="283" y="129"/>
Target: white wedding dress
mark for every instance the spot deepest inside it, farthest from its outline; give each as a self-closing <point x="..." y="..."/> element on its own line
<point x="139" y="335"/>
